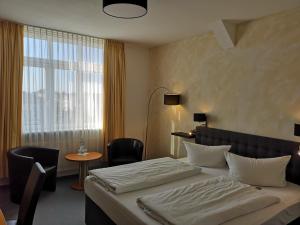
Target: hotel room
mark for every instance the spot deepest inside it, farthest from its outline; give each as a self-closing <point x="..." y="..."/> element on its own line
<point x="148" y="112"/>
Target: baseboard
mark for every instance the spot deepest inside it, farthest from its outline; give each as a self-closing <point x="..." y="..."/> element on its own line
<point x="68" y="172"/>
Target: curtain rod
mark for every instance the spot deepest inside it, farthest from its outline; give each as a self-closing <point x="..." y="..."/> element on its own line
<point x="24" y="24"/>
<point x="69" y="32"/>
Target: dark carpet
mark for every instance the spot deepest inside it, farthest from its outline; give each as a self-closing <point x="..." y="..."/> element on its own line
<point x="62" y="207"/>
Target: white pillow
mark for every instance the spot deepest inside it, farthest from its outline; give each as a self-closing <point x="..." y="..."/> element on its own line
<point x="261" y="172"/>
<point x="204" y="155"/>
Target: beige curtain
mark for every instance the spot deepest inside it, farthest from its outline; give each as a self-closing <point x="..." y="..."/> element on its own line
<point x="11" y="67"/>
<point x="114" y="82"/>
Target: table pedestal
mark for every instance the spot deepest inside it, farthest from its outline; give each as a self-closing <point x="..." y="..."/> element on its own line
<point x="83" y="169"/>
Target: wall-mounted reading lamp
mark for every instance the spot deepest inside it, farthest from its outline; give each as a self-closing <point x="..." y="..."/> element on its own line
<point x="297" y="133"/>
<point x="169" y="99"/>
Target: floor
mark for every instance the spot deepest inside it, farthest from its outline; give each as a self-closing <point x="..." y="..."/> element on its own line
<point x="62" y="207"/>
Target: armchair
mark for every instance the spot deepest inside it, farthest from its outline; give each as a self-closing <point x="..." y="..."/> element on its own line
<point x="20" y="162"/>
<point x="124" y="151"/>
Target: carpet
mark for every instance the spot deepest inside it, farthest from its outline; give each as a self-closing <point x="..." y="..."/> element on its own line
<point x="62" y="207"/>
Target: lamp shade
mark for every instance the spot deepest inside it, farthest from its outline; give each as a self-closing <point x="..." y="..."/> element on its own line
<point x="200" y="117"/>
<point x="171" y="99"/>
<point x="126" y="9"/>
<point x="297" y="129"/>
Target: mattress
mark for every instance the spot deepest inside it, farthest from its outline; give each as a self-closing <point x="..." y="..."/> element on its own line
<point x="123" y="209"/>
<point x="145" y="174"/>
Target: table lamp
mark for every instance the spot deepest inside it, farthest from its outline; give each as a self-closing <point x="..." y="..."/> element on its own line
<point x="200" y="117"/>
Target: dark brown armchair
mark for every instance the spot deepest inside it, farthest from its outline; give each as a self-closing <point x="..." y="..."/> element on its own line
<point x="20" y="162"/>
<point x="124" y="151"/>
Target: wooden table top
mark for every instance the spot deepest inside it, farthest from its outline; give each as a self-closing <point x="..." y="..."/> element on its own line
<point x="87" y="157"/>
<point x="2" y="219"/>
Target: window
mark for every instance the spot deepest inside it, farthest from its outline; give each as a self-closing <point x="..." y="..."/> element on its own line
<point x="62" y="82"/>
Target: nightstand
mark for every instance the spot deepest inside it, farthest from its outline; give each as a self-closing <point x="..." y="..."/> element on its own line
<point x="183" y="134"/>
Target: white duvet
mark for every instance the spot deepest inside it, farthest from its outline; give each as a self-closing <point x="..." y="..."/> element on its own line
<point x="135" y="176"/>
<point x="209" y="202"/>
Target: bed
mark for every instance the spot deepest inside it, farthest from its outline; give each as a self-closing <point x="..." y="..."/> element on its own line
<point x="106" y="208"/>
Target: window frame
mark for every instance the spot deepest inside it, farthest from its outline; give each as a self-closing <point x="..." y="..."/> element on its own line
<point x="49" y="65"/>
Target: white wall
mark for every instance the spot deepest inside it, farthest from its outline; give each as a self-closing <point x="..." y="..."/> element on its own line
<point x="137" y="86"/>
<point x="252" y="88"/>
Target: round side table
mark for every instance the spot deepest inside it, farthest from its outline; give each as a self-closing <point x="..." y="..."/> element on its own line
<point x="83" y="166"/>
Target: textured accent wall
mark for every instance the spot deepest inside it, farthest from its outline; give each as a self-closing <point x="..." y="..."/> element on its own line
<point x="252" y="88"/>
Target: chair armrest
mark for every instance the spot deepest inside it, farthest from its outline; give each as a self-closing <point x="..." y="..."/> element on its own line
<point x="109" y="153"/>
<point x="19" y="168"/>
<point x="139" y="153"/>
<point x="19" y="160"/>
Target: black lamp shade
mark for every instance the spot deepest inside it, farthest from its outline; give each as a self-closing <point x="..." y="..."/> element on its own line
<point x="199" y="117"/>
<point x="171" y="99"/>
<point x="297" y="129"/>
<point x="126" y="9"/>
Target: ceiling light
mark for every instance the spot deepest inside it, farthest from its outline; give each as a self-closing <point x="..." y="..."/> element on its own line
<point x="126" y="9"/>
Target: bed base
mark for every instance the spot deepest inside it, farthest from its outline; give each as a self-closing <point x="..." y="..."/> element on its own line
<point x="94" y="214"/>
<point x="295" y="222"/>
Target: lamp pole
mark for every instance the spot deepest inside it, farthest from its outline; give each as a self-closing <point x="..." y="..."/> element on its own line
<point x="148" y="113"/>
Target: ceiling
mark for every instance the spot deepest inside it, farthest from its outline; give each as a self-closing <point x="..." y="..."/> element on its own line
<point x="166" y="21"/>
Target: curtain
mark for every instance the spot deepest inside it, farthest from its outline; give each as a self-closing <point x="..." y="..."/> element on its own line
<point x="62" y="91"/>
<point x="114" y="82"/>
<point x="11" y="67"/>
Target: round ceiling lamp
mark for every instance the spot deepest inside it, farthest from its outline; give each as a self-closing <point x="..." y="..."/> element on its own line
<point x="126" y="9"/>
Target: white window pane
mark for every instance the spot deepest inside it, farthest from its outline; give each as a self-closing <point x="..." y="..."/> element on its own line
<point x="34" y="93"/>
<point x="63" y="81"/>
<point x="64" y="51"/>
<point x="93" y="55"/>
<point x="35" y="48"/>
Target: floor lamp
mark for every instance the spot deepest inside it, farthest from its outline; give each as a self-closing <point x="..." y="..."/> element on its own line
<point x="169" y="99"/>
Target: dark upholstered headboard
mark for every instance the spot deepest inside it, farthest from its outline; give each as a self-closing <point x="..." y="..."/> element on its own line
<point x="254" y="146"/>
